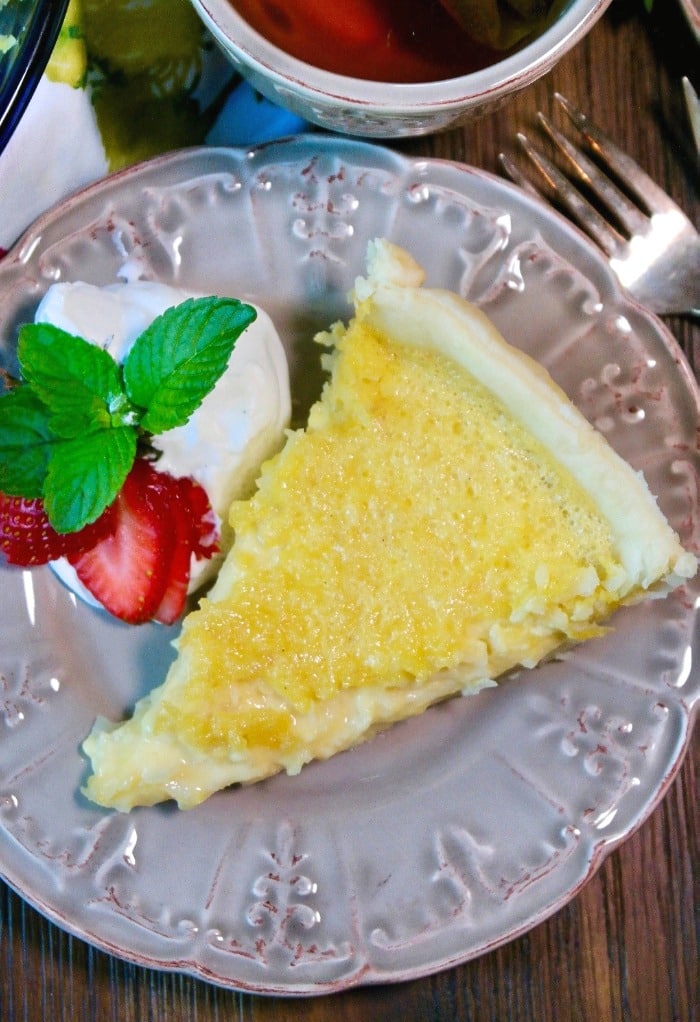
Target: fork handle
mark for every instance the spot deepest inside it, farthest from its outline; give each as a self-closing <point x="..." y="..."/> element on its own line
<point x="669" y="287"/>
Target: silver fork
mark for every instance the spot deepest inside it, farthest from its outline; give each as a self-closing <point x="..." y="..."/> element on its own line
<point x="651" y="245"/>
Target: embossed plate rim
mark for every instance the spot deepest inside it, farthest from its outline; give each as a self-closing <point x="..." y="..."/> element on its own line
<point x="418" y="936"/>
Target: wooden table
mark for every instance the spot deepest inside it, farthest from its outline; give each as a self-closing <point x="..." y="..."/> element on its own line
<point x="626" y="947"/>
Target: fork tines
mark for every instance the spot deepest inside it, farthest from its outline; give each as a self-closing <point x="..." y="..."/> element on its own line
<point x="630" y="217"/>
<point x="651" y="245"/>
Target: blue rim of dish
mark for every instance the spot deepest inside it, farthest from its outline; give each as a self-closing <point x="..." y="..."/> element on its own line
<point x="41" y="34"/>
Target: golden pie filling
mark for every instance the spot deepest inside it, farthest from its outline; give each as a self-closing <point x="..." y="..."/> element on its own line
<point x="416" y="540"/>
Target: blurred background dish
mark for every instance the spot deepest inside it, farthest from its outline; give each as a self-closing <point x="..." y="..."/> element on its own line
<point x="28" y="32"/>
<point x="390" y="74"/>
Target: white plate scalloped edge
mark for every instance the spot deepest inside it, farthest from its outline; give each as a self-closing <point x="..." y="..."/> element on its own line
<point x="447" y="835"/>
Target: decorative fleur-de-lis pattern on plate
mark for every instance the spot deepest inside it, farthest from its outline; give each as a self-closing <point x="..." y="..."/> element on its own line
<point x="439" y="838"/>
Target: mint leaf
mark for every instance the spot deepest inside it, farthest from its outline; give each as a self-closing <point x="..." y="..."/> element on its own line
<point x="25" y="443"/>
<point x="78" y="382"/>
<point x="69" y="433"/>
<point x="177" y="360"/>
<point x="85" y="474"/>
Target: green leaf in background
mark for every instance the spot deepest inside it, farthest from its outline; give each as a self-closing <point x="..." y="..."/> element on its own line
<point x="78" y="382"/>
<point x="177" y="360"/>
<point x="25" y="443"/>
<point x="85" y="475"/>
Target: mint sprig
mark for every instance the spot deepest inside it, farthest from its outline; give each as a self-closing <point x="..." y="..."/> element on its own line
<point x="178" y="356"/>
<point x="72" y="427"/>
<point x="78" y="382"/>
<point x="85" y="474"/>
<point x="25" y="443"/>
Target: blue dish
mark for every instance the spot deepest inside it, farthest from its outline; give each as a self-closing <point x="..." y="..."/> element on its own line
<point x="35" y="24"/>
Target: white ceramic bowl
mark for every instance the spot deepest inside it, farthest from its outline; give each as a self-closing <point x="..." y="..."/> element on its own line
<point x="380" y="109"/>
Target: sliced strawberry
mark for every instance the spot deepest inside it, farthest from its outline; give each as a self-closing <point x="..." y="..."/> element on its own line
<point x="196" y="532"/>
<point x="174" y="598"/>
<point x="128" y="571"/>
<point x="27" y="538"/>
<point x="203" y="524"/>
<point x="135" y="559"/>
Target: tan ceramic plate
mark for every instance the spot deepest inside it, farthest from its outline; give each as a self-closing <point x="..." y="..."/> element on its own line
<point x="447" y="835"/>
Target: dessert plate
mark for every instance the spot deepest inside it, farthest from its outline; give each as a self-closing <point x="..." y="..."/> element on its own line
<point x="448" y="834"/>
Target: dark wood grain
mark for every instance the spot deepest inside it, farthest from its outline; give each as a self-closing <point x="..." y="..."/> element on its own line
<point x="626" y="948"/>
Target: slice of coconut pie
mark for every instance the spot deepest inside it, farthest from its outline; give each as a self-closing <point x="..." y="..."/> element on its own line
<point x="446" y="515"/>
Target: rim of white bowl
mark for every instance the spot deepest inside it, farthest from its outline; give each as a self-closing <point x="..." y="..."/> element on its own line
<point x="507" y="75"/>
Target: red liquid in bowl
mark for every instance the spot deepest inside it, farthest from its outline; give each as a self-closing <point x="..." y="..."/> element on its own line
<point x="379" y="40"/>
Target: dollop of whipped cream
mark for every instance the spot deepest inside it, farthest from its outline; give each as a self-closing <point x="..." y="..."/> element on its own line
<point x="239" y="424"/>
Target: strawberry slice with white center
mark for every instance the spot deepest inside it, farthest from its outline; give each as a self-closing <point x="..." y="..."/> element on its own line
<point x="129" y="570"/>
